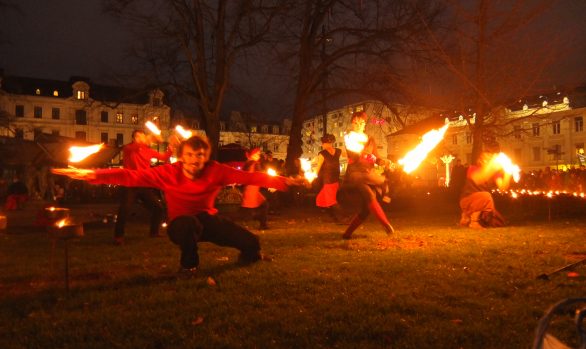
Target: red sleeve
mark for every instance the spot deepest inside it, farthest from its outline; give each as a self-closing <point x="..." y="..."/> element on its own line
<point x="153" y="177"/>
<point x="229" y="175"/>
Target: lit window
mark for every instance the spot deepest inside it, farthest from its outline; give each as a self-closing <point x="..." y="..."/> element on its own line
<point x="56" y="93"/>
<point x="535" y="129"/>
<point x="80" y="94"/>
<point x="38" y="91"/>
<point x="134" y="119"/>
<point x="578" y="124"/>
<point x="119" y="118"/>
<point x="253" y="129"/>
<point x="556" y="127"/>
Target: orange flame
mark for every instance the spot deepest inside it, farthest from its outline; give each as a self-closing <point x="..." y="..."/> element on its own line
<point x="185" y="134"/>
<point x="153" y="128"/>
<point x="355" y="141"/>
<point x="428" y="142"/>
<point x="80" y="153"/>
<point x="271" y="172"/>
<point x="508" y="166"/>
<point x="61" y="223"/>
<point x="306" y="167"/>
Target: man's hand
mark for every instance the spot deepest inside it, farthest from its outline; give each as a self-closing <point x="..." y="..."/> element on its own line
<point x="296" y="181"/>
<point x="75" y="173"/>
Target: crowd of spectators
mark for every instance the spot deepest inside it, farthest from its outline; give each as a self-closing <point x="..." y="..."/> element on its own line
<point x="570" y="180"/>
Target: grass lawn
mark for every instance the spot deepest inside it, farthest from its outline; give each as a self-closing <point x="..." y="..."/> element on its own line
<point x="432" y="285"/>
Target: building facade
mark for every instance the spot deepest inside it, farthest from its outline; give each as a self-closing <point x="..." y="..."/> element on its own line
<point x="78" y="109"/>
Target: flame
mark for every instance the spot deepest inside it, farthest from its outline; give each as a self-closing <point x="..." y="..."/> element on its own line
<point x="271" y="172"/>
<point x="429" y="141"/>
<point x="80" y="153"/>
<point x="153" y="128"/>
<point x="306" y="167"/>
<point x="51" y="208"/>
<point x="183" y="132"/>
<point x="61" y="223"/>
<point x="508" y="166"/>
<point x="355" y="141"/>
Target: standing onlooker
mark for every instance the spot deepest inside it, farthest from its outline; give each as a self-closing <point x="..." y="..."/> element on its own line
<point x="252" y="199"/>
<point x="328" y="170"/>
<point x="137" y="156"/>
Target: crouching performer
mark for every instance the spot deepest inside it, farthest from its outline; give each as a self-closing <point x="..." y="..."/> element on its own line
<point x="190" y="187"/>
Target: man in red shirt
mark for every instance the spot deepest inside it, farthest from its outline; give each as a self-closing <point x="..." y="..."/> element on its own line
<point x="190" y="187"/>
<point x="137" y="156"/>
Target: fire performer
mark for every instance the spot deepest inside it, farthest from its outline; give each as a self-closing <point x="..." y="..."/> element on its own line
<point x="137" y="155"/>
<point x="476" y="202"/>
<point x="328" y="169"/>
<point x="190" y="187"/>
<point x="361" y="182"/>
<point x="252" y="199"/>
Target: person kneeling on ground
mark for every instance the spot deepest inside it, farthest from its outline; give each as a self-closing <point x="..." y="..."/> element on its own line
<point x="476" y="202"/>
<point x="190" y="187"/>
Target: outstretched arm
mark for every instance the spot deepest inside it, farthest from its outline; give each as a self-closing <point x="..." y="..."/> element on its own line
<point x="75" y="173"/>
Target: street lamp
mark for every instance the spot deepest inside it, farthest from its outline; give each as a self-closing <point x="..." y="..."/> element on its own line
<point x="447" y="159"/>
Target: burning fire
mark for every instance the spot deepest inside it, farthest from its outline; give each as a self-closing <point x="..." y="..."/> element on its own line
<point x="355" y="141"/>
<point x="306" y="167"/>
<point x="428" y="142"/>
<point x="153" y="128"/>
<point x="183" y="132"/>
<point x="508" y="166"/>
<point x="61" y="223"/>
<point x="271" y="172"/>
<point x="80" y="153"/>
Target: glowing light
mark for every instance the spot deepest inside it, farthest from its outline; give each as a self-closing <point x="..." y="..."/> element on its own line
<point x="306" y="167"/>
<point x="428" y="142"/>
<point x="80" y="153"/>
<point x="514" y="195"/>
<point x="355" y="141"/>
<point x="51" y="208"/>
<point x="153" y="128"/>
<point x="271" y="172"/>
<point x="61" y="223"/>
<point x="508" y="166"/>
<point x="185" y="134"/>
<point x="164" y="225"/>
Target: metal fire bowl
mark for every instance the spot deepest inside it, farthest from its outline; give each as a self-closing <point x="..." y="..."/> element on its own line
<point x="56" y="213"/>
<point x="67" y="231"/>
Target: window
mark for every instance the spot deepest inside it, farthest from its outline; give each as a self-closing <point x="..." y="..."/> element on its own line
<point x="38" y="112"/>
<point x="80" y="118"/>
<point x="275" y="147"/>
<point x="535" y="128"/>
<point x="454" y="139"/>
<point x="359" y="108"/>
<point x="555" y="127"/>
<point x="19" y="111"/>
<point x="119" y="139"/>
<point x="80" y="135"/>
<point x="276" y="130"/>
<point x="579" y="148"/>
<point x="517" y="131"/>
<point x="38" y="91"/>
<point x="222" y="126"/>
<point x="156" y="102"/>
<point x="55" y="113"/>
<point x="55" y="132"/>
<point x="578" y="124"/>
<point x="56" y="93"/>
<point x="556" y="151"/>
<point x="253" y="129"/>
<point x="134" y="119"/>
<point x="19" y="133"/>
<point x="80" y="95"/>
<point x="104" y="137"/>
<point x="104" y="116"/>
<point x="536" y="153"/>
<point x="119" y="118"/>
<point x="468" y="137"/>
<point x="265" y="129"/>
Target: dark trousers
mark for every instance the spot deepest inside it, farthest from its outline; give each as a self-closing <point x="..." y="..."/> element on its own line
<point x="258" y="213"/>
<point x="149" y="197"/>
<point x="187" y="231"/>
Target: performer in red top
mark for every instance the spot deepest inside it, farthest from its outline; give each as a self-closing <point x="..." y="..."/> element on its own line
<point x="361" y="181"/>
<point x="190" y="187"/>
<point x="252" y="199"/>
<point x="137" y="156"/>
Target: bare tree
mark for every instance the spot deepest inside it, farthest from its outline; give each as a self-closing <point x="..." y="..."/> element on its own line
<point x="190" y="46"/>
<point x="492" y="54"/>
<point x="345" y="42"/>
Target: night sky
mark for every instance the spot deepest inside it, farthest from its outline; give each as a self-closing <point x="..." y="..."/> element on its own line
<point x="60" y="38"/>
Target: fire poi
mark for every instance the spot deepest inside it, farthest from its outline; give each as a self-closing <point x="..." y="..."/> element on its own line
<point x="80" y="153"/>
<point x="428" y="142"/>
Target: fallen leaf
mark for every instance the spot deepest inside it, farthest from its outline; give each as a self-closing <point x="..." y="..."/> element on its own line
<point x="197" y="321"/>
<point x="211" y="281"/>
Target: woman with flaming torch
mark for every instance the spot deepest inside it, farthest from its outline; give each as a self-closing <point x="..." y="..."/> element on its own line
<point x="190" y="186"/>
<point x="252" y="199"/>
<point x="476" y="202"/>
<point x="361" y="179"/>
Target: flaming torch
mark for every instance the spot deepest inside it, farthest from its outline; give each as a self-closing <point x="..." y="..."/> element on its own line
<point x="153" y="128"/>
<point x="306" y="167"/>
<point x="80" y="153"/>
<point x="355" y="141"/>
<point x="508" y="166"/>
<point x="416" y="156"/>
<point x="271" y="172"/>
<point x="185" y="134"/>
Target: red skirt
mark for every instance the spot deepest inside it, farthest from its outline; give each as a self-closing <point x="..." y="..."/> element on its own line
<point x="327" y="195"/>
